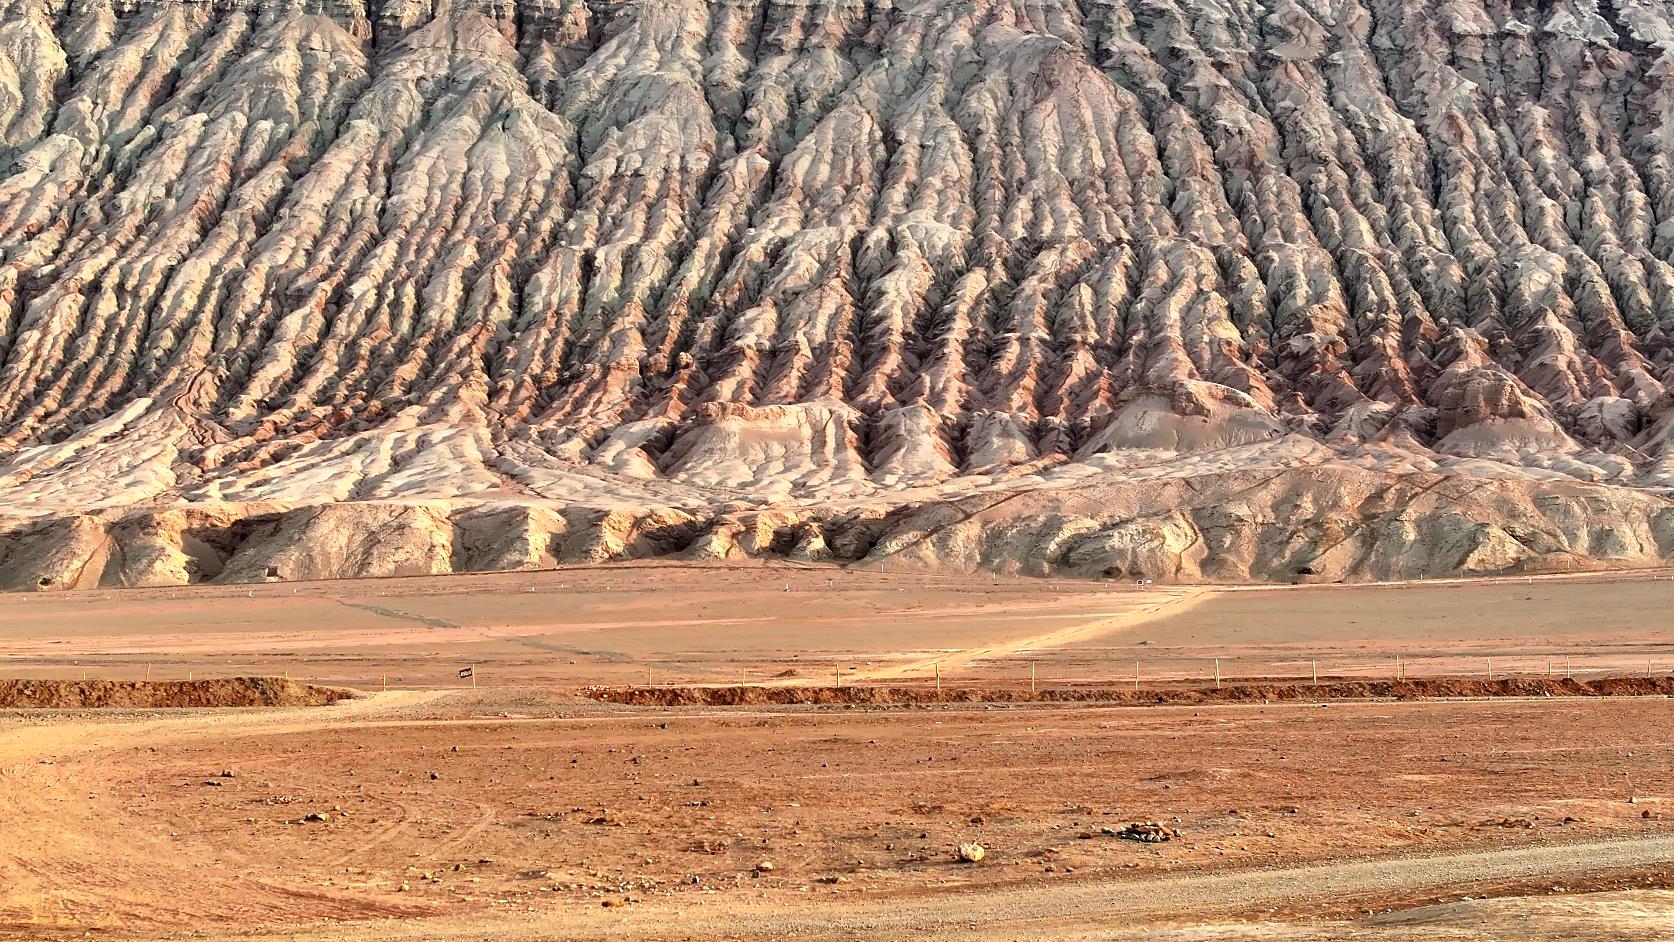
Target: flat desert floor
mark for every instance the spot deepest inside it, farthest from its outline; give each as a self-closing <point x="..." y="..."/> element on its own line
<point x="521" y="809"/>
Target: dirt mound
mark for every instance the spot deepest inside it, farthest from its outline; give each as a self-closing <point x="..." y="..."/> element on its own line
<point x="133" y="694"/>
<point x="1230" y="693"/>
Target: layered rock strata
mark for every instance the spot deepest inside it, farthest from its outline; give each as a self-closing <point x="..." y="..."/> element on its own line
<point x="1175" y="289"/>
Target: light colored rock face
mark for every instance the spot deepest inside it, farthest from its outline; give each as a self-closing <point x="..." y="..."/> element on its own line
<point x="1197" y="289"/>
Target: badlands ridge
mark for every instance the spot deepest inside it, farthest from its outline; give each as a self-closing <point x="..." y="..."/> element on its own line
<point x="1171" y="289"/>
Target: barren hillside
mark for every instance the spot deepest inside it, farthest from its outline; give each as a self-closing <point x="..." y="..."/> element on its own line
<point x="1207" y="289"/>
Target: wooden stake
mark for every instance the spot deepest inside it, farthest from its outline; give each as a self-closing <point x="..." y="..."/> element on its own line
<point x="473" y="676"/>
<point x="938" y="680"/>
<point x="839" y="675"/>
<point x="383" y="680"/>
<point x="1031" y="678"/>
<point x="1135" y="676"/>
<point x="1567" y="674"/>
<point x="1316" y="671"/>
<point x="1217" y="673"/>
<point x="1490" y="668"/>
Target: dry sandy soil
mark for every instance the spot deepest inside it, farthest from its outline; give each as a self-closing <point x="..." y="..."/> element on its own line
<point x="523" y="810"/>
<point x="719" y="624"/>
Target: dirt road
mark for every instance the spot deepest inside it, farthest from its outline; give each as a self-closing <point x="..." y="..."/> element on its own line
<point x="1145" y="608"/>
<point x="1088" y="909"/>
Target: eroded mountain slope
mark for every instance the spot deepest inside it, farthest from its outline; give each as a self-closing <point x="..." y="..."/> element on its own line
<point x="1182" y="288"/>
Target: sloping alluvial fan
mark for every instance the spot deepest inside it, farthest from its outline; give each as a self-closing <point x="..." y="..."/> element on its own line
<point x="1175" y="289"/>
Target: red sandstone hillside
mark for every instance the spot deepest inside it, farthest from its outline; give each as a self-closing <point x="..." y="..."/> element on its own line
<point x="1172" y="290"/>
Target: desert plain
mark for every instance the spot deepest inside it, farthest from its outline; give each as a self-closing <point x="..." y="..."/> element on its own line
<point x="519" y="805"/>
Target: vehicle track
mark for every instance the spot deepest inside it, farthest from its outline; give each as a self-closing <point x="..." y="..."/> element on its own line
<point x="1040" y="913"/>
<point x="1171" y="604"/>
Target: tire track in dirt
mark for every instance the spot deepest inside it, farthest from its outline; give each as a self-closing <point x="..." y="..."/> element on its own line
<point x="1173" y="604"/>
<point x="72" y="855"/>
<point x="1078" y="911"/>
<point x="485" y="819"/>
<point x="383" y="835"/>
<point x="397" y="614"/>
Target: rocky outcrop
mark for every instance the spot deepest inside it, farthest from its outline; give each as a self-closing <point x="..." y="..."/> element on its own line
<point x="295" y="290"/>
<point x="1257" y="522"/>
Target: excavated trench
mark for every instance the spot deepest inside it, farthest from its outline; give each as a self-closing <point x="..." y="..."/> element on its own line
<point x="1326" y="689"/>
<point x="163" y="694"/>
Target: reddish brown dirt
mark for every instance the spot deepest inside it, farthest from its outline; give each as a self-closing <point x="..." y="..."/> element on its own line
<point x="163" y="694"/>
<point x="1326" y="689"/>
<point x="504" y="802"/>
<point x="122" y="822"/>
